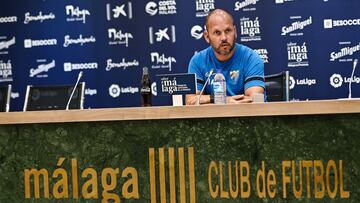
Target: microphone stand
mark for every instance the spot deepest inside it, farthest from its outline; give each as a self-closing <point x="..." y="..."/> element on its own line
<point x="202" y="90"/>
<point x="73" y="91"/>
<point x="352" y="75"/>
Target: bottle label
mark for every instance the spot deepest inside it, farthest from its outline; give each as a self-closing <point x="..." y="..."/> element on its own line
<point x="145" y="90"/>
<point x="218" y="87"/>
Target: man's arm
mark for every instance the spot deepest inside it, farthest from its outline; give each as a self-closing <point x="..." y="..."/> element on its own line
<point x="192" y="99"/>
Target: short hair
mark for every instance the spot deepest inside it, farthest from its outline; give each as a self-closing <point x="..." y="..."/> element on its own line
<point x="213" y="12"/>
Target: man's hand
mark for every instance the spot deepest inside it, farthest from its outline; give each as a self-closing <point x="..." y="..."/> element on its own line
<point x="237" y="99"/>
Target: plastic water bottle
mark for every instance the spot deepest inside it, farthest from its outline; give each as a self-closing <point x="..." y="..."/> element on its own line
<point x="219" y="87"/>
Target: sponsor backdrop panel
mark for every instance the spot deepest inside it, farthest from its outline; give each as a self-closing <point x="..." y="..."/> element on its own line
<point x="49" y="43"/>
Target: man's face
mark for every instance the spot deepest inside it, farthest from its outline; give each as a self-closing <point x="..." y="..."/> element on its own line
<point x="221" y="34"/>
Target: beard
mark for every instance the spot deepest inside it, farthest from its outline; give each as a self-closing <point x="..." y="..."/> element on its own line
<point x="224" y="49"/>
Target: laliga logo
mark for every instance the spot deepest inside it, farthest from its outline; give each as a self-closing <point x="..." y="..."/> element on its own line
<point x="151" y="8"/>
<point x="336" y="80"/>
<point x="42" y="68"/>
<point x="114" y="90"/>
<point x="197" y="32"/>
<point x="292" y="82"/>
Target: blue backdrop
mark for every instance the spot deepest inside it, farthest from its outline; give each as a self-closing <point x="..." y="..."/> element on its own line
<point x="47" y="42"/>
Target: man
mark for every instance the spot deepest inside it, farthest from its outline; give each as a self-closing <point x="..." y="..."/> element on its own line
<point x="242" y="67"/>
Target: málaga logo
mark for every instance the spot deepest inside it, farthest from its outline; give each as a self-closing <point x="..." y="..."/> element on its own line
<point x="162" y="61"/>
<point x="250" y="29"/>
<point x="242" y="4"/>
<point x="203" y="7"/>
<point x="117" y="11"/>
<point x="167" y="7"/>
<point x="296" y="26"/>
<point x="76" y="14"/>
<point x="6" y="71"/>
<point x="297" y="55"/>
<point x="119" y="37"/>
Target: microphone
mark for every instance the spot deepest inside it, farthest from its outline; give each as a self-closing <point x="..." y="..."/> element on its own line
<point x="202" y="90"/>
<point x="74" y="88"/>
<point x="352" y="75"/>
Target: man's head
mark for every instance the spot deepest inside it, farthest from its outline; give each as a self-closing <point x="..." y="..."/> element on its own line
<point x="221" y="33"/>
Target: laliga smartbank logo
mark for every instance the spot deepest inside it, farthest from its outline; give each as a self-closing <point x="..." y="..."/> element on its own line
<point x="301" y="82"/>
<point x="348" y="50"/>
<point x="197" y="32"/>
<point x="115" y="90"/>
<point x="8" y="19"/>
<point x="68" y="66"/>
<point x="90" y="92"/>
<point x="167" y="33"/>
<point x="40" y="17"/>
<point x="296" y="26"/>
<point x="167" y="7"/>
<point x="162" y="61"/>
<point x="6" y="71"/>
<point x="250" y="29"/>
<point x="76" y="14"/>
<point x="331" y="23"/>
<point x="244" y="4"/>
<point x="30" y="43"/>
<point x="43" y="67"/>
<point x="337" y="80"/>
<point x="204" y="7"/>
<point x="118" y="37"/>
<point x="297" y="55"/>
<point x="115" y="12"/>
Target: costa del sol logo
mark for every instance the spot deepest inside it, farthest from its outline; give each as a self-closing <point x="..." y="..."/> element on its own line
<point x="250" y="29"/>
<point x="78" y="41"/>
<point x="244" y="5"/>
<point x="167" y="7"/>
<point x="162" y="61"/>
<point x="68" y="66"/>
<point x="8" y="19"/>
<point x="297" y="55"/>
<point x="5" y="44"/>
<point x="204" y="7"/>
<point x="30" y="43"/>
<point x="167" y="33"/>
<point x="76" y="14"/>
<point x="263" y="53"/>
<point x="331" y="23"/>
<point x="197" y="32"/>
<point x="119" y="11"/>
<point x="40" y="17"/>
<point x="6" y="71"/>
<point x="121" y="65"/>
<point x="42" y="68"/>
<point x="119" y="37"/>
<point x="345" y="51"/>
<point x="298" y="25"/>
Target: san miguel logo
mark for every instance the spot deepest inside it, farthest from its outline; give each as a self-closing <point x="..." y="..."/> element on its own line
<point x="296" y="26"/>
<point x="348" y="50"/>
<point x="244" y="4"/>
<point x="5" y="44"/>
<point x="171" y="177"/>
<point x="42" y="68"/>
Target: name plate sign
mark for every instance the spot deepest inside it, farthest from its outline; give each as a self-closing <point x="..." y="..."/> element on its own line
<point x="175" y="84"/>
